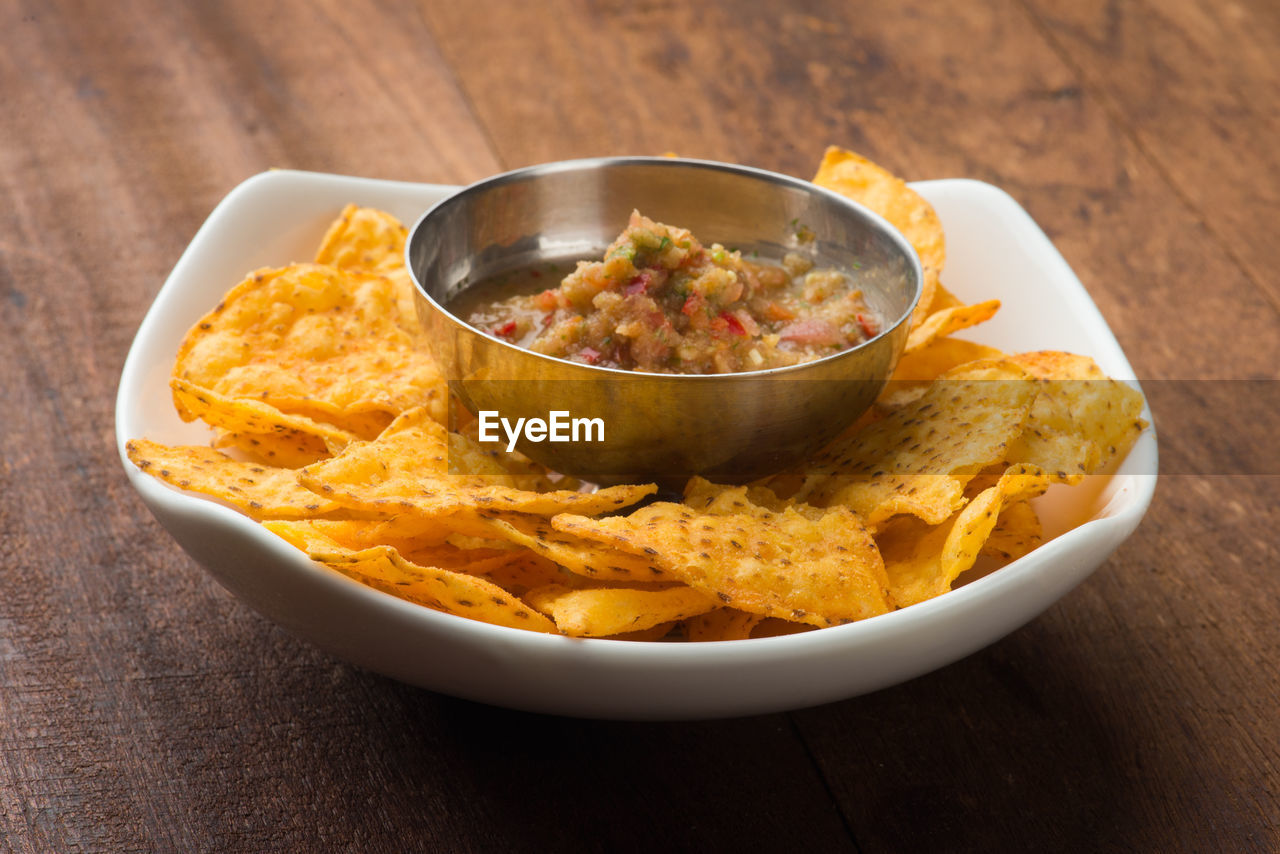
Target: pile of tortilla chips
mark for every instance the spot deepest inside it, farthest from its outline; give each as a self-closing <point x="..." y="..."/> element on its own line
<point x="329" y="416"/>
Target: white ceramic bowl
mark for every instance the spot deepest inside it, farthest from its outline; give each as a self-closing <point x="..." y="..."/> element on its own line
<point x="994" y="250"/>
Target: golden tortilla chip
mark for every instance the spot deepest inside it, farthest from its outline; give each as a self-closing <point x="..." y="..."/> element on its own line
<point x="518" y="571"/>
<point x="916" y="370"/>
<point x="784" y="564"/>
<point x="922" y="561"/>
<point x="719" y="499"/>
<point x="857" y="178"/>
<point x="469" y="457"/>
<point x="258" y="491"/>
<point x="917" y="459"/>
<point x="359" y="534"/>
<point x="313" y="338"/>
<point x="941" y="324"/>
<point x="601" y="611"/>
<point x="445" y="590"/>
<point x="721" y="624"/>
<point x="244" y="415"/>
<point x="1081" y="420"/>
<point x="939" y="356"/>
<point x="367" y="240"/>
<point x="942" y="300"/>
<point x="363" y="425"/>
<point x="1017" y="533"/>
<point x="404" y="472"/>
<point x="364" y="239"/>
<point x="289" y="449"/>
<point x="579" y="556"/>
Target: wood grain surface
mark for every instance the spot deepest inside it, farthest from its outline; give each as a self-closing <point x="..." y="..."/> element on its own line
<point x="144" y="709"/>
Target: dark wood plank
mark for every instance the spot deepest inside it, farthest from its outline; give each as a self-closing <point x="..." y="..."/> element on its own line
<point x="1196" y="86"/>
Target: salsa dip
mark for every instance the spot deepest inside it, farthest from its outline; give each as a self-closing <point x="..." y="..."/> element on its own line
<point x="660" y="301"/>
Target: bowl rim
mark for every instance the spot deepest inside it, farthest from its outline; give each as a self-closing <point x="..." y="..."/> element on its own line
<point x="915" y="268"/>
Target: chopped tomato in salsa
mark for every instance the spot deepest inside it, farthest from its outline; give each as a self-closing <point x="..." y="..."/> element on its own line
<point x="660" y="301"/>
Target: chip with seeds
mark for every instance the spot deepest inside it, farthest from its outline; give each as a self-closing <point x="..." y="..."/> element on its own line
<point x="917" y="459"/>
<point x="1081" y="421"/>
<point x="259" y="491"/>
<point x="315" y="338"/>
<point x="289" y="449"/>
<point x="707" y="497"/>
<point x="405" y="471"/>
<point x="245" y="415"/>
<point x="579" y="556"/>
<point x="943" y="323"/>
<point x="1017" y="533"/>
<point x="823" y="571"/>
<point x="518" y="571"/>
<point x="601" y="611"/>
<point x="922" y="561"/>
<point x="386" y="569"/>
<point x="469" y="457"/>
<point x="916" y="370"/>
<point x="942" y="300"/>
<point x="720" y="625"/>
<point x="364" y="425"/>
<point x="364" y="239"/>
<point x="367" y="240"/>
<point x="857" y="178"/>
<point x="360" y="534"/>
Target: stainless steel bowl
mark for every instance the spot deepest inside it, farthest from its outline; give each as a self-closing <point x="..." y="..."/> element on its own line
<point x="665" y="427"/>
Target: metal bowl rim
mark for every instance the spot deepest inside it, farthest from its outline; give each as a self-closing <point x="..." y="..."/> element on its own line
<point x="556" y="166"/>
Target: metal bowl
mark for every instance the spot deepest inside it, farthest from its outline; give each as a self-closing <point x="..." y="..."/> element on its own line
<point x="665" y="427"/>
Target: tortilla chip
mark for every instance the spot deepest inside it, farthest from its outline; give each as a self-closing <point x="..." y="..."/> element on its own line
<point x="942" y="300"/>
<point x="314" y="338"/>
<point x="445" y="590"/>
<point x="365" y="240"/>
<point x="405" y="472"/>
<point x="941" y="324"/>
<point x="517" y="571"/>
<point x="601" y="611"/>
<point x="922" y="561"/>
<point x="1081" y="420"/>
<point x="784" y="564"/>
<point x="916" y="370"/>
<point x="579" y="556"/>
<point x="1017" y="533"/>
<point x="719" y="499"/>
<point x="857" y="178"/>
<point x="364" y="425"/>
<point x="243" y="415"/>
<point x="258" y="491"/>
<point x="721" y="624"/>
<point x="289" y="449"/>
<point x="917" y="459"/>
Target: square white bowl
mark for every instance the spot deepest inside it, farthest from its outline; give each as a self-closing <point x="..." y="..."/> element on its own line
<point x="995" y="250"/>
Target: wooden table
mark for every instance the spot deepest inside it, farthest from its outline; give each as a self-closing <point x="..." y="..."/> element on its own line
<point x="142" y="708"/>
